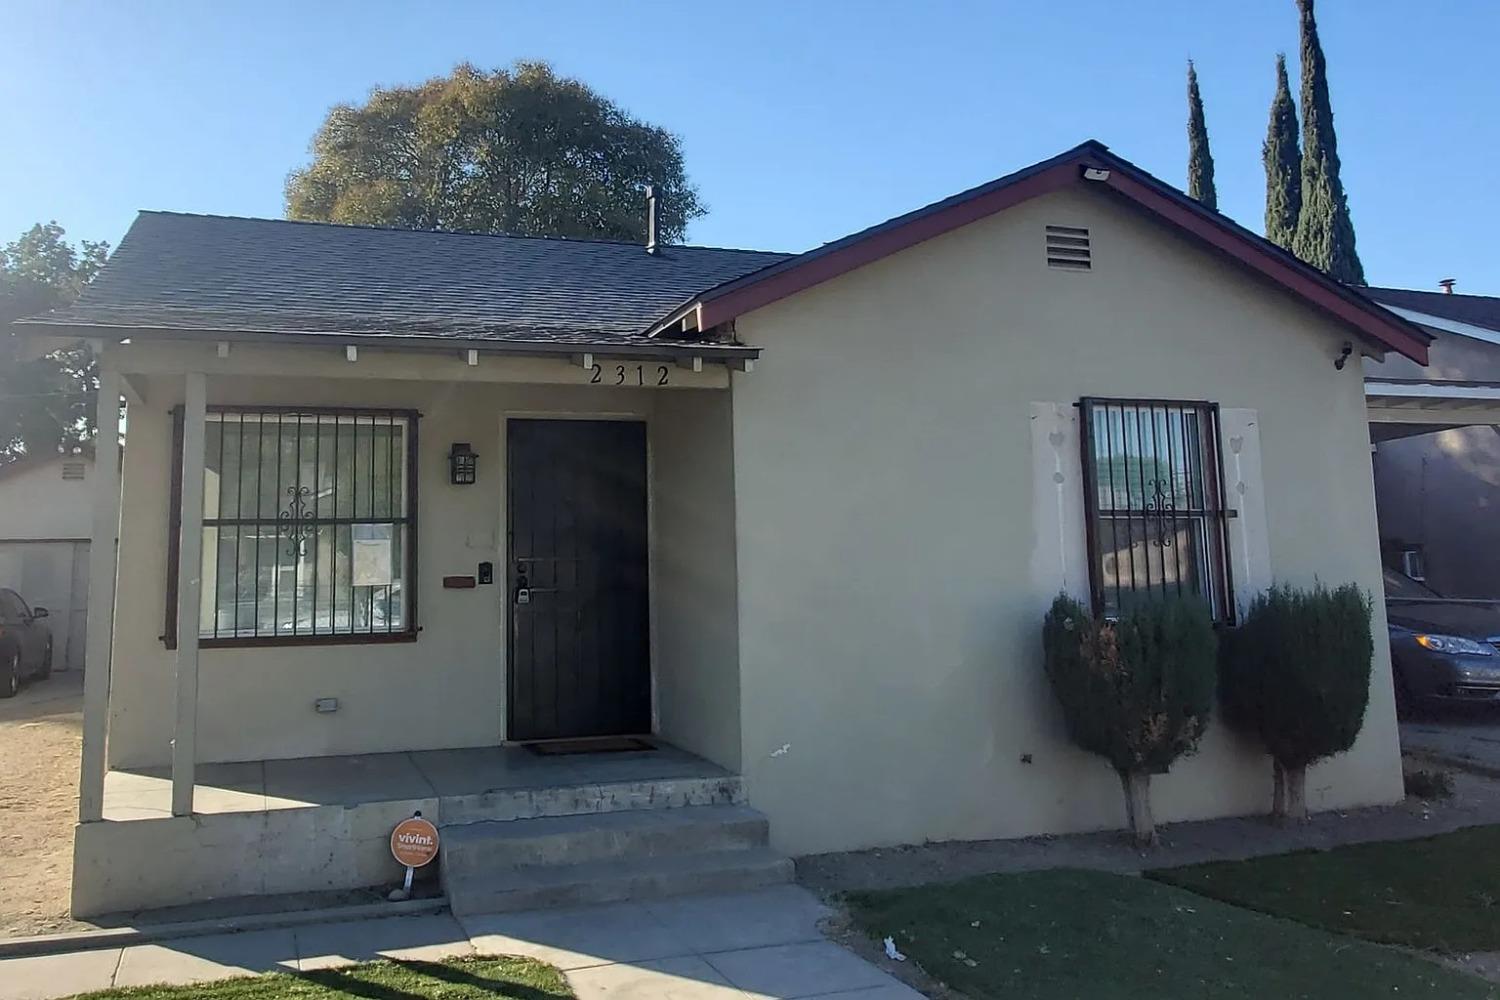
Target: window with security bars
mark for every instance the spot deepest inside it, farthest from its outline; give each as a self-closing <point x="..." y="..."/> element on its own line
<point x="1154" y="502"/>
<point x="309" y="526"/>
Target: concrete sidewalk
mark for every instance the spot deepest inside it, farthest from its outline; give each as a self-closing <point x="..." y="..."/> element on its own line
<point x="763" y="944"/>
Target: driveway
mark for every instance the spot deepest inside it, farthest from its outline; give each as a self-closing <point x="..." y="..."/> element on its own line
<point x="1469" y="738"/>
<point x="40" y="732"/>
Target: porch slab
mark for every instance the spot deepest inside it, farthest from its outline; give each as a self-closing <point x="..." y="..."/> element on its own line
<point x="307" y="782"/>
<point x="324" y="823"/>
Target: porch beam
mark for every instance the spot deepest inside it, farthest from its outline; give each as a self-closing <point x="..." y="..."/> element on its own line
<point x="176" y="358"/>
<point x="135" y="389"/>
<point x="101" y="615"/>
<point x="190" y="587"/>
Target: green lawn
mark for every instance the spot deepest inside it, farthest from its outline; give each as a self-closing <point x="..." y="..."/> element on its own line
<point x="1072" y="934"/>
<point x="459" y="979"/>
<point x="1440" y="893"/>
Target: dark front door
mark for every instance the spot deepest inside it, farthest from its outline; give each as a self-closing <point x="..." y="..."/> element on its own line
<point x="579" y="662"/>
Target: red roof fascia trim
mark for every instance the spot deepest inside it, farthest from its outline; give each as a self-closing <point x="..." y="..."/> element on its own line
<point x="883" y="244"/>
<point x="1365" y="320"/>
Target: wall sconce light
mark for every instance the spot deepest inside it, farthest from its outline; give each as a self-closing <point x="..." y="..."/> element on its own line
<point x="463" y="464"/>
<point x="1344" y="353"/>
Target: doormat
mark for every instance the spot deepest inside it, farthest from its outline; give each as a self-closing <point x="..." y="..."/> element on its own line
<point x="604" y="744"/>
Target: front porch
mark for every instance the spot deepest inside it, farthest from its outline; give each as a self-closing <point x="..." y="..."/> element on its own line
<point x="322" y="823"/>
<point x="270" y="702"/>
<point x="442" y="783"/>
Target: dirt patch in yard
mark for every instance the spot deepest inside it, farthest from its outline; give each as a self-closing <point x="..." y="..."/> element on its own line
<point x="40" y="734"/>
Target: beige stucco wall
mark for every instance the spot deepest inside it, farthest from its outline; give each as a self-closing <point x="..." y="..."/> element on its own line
<point x="444" y="690"/>
<point x="889" y="606"/>
<point x="693" y="574"/>
<point x="37" y="502"/>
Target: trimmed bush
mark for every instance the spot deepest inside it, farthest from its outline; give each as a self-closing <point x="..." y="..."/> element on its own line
<point x="1296" y="674"/>
<point x="1137" y="691"/>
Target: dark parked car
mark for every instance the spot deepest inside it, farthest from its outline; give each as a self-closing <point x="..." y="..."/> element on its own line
<point x="25" y="643"/>
<point x="1443" y="652"/>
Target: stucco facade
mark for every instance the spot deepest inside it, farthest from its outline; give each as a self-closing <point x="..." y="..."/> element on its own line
<point x="447" y="689"/>
<point x="877" y="609"/>
<point x="890" y="604"/>
<point x="852" y="540"/>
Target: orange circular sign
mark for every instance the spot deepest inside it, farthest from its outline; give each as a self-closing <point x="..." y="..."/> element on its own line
<point x="414" y="842"/>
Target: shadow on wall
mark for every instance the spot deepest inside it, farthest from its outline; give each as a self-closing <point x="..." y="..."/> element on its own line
<point x="1440" y="493"/>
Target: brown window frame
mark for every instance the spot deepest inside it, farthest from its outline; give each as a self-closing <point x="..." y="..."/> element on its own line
<point x="1161" y="507"/>
<point x="410" y="547"/>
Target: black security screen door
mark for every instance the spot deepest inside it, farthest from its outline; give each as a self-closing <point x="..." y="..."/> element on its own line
<point x="579" y="661"/>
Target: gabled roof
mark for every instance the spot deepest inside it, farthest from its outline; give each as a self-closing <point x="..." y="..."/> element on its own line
<point x="1376" y="326"/>
<point x="1473" y="310"/>
<point x="204" y="275"/>
<point x="235" y="275"/>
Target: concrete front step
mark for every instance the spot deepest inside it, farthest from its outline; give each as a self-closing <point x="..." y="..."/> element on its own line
<point x="479" y="849"/>
<point x="589" y="799"/>
<point x="618" y="879"/>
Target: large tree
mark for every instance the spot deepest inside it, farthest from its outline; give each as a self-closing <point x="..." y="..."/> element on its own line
<point x="518" y="150"/>
<point x="1283" y="159"/>
<point x="45" y="402"/>
<point x="1200" y="160"/>
<point x="1325" y="233"/>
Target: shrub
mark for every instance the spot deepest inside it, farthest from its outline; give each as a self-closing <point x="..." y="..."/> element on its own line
<point x="1297" y="675"/>
<point x="1136" y="691"/>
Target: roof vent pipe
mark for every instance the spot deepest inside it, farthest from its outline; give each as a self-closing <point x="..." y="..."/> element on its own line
<point x="651" y="218"/>
<point x="1447" y="285"/>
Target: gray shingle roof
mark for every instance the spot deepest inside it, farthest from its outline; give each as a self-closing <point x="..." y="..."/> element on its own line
<point x="200" y="272"/>
<point x="1478" y="310"/>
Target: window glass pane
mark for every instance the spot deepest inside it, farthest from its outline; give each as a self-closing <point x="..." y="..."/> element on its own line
<point x="276" y="559"/>
<point x="1139" y="558"/>
<point x="1154" y="530"/>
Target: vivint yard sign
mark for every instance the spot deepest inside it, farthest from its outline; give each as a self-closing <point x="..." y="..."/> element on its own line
<point x="414" y="843"/>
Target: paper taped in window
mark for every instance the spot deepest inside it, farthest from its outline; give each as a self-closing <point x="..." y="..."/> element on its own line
<point x="372" y="554"/>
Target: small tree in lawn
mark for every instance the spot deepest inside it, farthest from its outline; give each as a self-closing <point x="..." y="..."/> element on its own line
<point x="1136" y="691"/>
<point x="1297" y="674"/>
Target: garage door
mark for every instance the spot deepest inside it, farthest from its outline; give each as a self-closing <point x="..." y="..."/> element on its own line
<point x="52" y="575"/>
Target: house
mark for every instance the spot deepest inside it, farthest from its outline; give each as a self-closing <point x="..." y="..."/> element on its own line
<point x="1437" y="451"/>
<point x="44" y="542"/>
<point x="394" y="501"/>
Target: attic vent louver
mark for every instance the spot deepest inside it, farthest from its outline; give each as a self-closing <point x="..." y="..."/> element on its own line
<point x="72" y="470"/>
<point x="1068" y="248"/>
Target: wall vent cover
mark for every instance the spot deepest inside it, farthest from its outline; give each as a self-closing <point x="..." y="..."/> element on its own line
<point x="1068" y="248"/>
<point x="73" y="470"/>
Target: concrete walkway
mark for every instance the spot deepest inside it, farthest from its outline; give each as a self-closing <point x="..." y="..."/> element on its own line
<point x="1469" y="739"/>
<point x="763" y="944"/>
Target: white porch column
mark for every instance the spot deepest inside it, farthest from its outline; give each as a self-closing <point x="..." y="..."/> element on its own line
<point x="189" y="590"/>
<point x="101" y="621"/>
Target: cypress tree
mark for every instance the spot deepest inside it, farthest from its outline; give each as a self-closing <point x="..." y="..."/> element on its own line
<point x="1200" y="160"/>
<point x="1325" y="233"/>
<point x="1283" y="159"/>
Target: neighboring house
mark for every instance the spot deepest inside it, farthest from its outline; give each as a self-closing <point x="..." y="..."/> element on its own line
<point x="1437" y="446"/>
<point x="45" y="503"/>
<point x="797" y="515"/>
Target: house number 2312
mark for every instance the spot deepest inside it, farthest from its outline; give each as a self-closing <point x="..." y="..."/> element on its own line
<point x="630" y="375"/>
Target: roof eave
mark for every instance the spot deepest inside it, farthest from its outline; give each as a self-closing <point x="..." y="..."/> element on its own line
<point x="660" y="349"/>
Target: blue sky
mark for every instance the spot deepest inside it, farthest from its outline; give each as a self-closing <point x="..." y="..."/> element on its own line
<point x="800" y="122"/>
